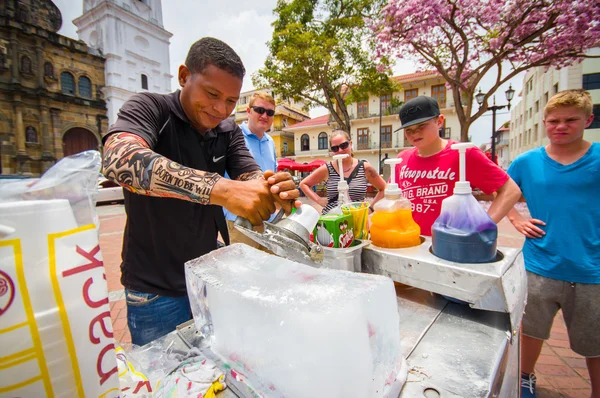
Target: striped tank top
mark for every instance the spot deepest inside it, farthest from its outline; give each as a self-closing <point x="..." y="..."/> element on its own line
<point x="357" y="188"/>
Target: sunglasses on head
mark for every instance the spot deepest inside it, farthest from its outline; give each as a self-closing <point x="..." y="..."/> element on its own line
<point x="342" y="146"/>
<point x="261" y="111"/>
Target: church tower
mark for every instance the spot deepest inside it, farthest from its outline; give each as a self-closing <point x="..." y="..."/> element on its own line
<point x="131" y="36"/>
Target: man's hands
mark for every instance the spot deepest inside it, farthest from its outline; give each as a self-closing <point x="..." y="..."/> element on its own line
<point x="255" y="199"/>
<point x="250" y="199"/>
<point x="528" y="227"/>
<point x="283" y="189"/>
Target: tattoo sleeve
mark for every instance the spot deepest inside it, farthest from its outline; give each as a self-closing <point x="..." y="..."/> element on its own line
<point x="129" y="162"/>
<point x="252" y="175"/>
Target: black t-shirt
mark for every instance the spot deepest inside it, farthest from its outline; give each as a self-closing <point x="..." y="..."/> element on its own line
<point x="161" y="234"/>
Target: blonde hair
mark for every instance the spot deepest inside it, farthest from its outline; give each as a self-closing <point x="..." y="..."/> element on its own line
<point x="578" y="98"/>
<point x="337" y="132"/>
<point x="263" y="96"/>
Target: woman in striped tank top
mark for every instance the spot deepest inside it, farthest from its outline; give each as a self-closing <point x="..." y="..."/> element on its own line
<point x="364" y="172"/>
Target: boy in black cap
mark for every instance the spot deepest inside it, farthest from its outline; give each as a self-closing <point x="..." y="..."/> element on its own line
<point x="429" y="171"/>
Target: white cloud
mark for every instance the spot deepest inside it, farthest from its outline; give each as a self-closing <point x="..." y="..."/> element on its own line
<point x="246" y="27"/>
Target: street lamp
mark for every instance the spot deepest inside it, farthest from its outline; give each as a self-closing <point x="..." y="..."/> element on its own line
<point x="480" y="97"/>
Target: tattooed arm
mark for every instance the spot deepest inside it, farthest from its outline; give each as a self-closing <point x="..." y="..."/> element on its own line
<point x="130" y="162"/>
<point x="376" y="180"/>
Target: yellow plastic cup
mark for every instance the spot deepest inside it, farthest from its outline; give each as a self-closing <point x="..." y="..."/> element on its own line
<point x="360" y="216"/>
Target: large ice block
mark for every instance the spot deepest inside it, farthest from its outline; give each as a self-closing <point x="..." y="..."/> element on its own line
<point x="297" y="331"/>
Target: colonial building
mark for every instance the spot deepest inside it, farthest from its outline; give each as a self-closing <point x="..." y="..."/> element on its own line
<point x="376" y="121"/>
<point x="287" y="113"/>
<point x="131" y="36"/>
<point x="527" y="129"/>
<point x="50" y="90"/>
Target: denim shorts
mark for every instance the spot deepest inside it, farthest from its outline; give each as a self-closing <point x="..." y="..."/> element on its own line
<point x="150" y="316"/>
<point x="580" y="304"/>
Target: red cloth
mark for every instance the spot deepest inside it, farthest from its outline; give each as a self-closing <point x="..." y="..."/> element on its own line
<point x="426" y="181"/>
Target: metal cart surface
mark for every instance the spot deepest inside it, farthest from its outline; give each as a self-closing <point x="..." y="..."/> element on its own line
<point x="468" y="349"/>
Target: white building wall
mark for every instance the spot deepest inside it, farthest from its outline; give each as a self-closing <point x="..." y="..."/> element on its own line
<point x="131" y="36"/>
<point x="527" y="129"/>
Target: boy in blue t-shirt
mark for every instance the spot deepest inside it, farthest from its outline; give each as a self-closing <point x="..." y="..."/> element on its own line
<point x="561" y="184"/>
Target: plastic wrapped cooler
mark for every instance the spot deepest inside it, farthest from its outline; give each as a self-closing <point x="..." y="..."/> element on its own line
<point x="292" y="330"/>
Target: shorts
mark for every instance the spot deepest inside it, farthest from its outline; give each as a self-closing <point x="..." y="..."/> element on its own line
<point x="580" y="304"/>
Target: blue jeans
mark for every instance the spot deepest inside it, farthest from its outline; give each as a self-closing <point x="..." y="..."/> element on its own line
<point x="151" y="316"/>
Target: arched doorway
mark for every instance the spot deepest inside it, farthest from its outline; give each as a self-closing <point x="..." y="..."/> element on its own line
<point x="78" y="140"/>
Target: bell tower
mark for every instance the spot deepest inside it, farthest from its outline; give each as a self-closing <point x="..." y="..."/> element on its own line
<point x="131" y="36"/>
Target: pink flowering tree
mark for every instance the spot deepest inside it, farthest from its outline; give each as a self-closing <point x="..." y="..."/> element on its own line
<point x="466" y="39"/>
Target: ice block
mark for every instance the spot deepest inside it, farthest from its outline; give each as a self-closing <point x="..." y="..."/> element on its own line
<point x="292" y="330"/>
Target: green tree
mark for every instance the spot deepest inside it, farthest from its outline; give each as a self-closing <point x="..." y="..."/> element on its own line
<point x="320" y="54"/>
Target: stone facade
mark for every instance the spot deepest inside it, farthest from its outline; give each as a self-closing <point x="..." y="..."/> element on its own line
<point x="51" y="101"/>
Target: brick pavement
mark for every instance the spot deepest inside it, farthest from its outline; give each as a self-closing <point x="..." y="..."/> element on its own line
<point x="560" y="372"/>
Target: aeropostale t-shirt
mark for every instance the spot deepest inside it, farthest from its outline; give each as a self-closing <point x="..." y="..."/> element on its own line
<point x="427" y="181"/>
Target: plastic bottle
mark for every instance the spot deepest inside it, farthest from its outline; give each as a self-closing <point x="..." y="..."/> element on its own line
<point x="392" y="224"/>
<point x="464" y="232"/>
<point x="343" y="188"/>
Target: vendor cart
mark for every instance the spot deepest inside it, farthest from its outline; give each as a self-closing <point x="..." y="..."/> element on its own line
<point x="459" y="323"/>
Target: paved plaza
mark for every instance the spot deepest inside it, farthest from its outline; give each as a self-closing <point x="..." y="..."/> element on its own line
<point x="560" y="372"/>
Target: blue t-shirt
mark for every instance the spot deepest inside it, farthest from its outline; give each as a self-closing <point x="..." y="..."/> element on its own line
<point x="263" y="151"/>
<point x="567" y="199"/>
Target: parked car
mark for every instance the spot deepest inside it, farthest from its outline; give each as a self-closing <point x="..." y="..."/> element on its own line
<point x="109" y="192"/>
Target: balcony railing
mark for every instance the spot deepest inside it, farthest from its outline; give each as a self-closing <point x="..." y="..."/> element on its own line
<point x="392" y="110"/>
<point x="502" y="142"/>
<point x="362" y="145"/>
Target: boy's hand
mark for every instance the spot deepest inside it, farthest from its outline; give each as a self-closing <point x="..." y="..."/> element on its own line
<point x="529" y="228"/>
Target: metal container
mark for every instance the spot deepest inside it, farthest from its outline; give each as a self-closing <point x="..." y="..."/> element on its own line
<point x="348" y="259"/>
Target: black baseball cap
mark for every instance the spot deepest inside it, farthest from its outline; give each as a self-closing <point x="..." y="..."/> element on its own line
<point x="418" y="110"/>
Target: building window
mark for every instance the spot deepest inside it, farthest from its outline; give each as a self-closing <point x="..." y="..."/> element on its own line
<point x="2" y="60"/>
<point x="555" y="89"/>
<point x="537" y="106"/>
<point x="596" y="122"/>
<point x="385" y="101"/>
<point x="49" y="70"/>
<point x="285" y="148"/>
<point x="305" y="143"/>
<point x="546" y="98"/>
<point x="323" y="141"/>
<point x="144" y="82"/>
<point x="31" y="135"/>
<point x="591" y="81"/>
<point x="386" y="136"/>
<point x="67" y="83"/>
<point x="362" y="109"/>
<point x="26" y="65"/>
<point x="362" y="135"/>
<point x="85" y="87"/>
<point x="439" y="94"/>
<point x="410" y="94"/>
<point x="529" y="86"/>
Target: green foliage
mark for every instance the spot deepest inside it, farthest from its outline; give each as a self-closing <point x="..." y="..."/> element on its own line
<point x="320" y="53"/>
